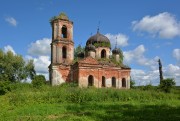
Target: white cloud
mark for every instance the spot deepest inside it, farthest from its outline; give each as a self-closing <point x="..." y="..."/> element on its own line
<point x="12" y="21"/>
<point x="151" y="75"/>
<point x="142" y="77"/>
<point x="137" y="53"/>
<point x="122" y="40"/>
<point x="137" y="56"/>
<point x="176" y="54"/>
<point x="172" y="71"/>
<point x="41" y="64"/>
<point x="9" y="48"/>
<point x="40" y="47"/>
<point x="163" y="25"/>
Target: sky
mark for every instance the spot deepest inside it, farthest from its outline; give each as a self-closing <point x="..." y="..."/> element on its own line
<point x="145" y="30"/>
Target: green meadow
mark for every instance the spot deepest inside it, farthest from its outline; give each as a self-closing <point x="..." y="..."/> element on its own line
<point x="69" y="103"/>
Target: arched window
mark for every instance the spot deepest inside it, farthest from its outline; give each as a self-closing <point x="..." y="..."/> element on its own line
<point x="113" y="82"/>
<point x="103" y="53"/>
<point x="103" y="81"/>
<point x="64" y="32"/>
<point x="90" y="80"/>
<point x="64" y="52"/>
<point x="123" y="82"/>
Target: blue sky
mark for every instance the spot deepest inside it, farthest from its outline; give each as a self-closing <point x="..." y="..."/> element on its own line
<point x="145" y="31"/>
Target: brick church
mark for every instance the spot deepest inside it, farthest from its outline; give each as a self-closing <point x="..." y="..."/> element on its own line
<point x="95" y="66"/>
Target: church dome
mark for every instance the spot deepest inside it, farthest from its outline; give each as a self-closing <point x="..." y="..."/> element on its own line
<point x="116" y="51"/>
<point x="90" y="47"/>
<point x="99" y="40"/>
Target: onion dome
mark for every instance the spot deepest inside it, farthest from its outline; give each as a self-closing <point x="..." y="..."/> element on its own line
<point x="116" y="51"/>
<point x="99" y="40"/>
<point x="90" y="47"/>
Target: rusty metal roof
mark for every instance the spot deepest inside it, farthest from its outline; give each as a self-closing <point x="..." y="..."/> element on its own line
<point x="97" y="38"/>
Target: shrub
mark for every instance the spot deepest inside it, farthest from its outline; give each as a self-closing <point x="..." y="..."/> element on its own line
<point x="69" y="84"/>
<point x="132" y="83"/>
<point x="4" y="87"/>
<point x="148" y="87"/>
<point x="167" y="84"/>
<point x="20" y="86"/>
<point x="38" y="81"/>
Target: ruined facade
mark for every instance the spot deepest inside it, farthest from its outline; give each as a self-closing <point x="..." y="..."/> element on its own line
<point x="95" y="66"/>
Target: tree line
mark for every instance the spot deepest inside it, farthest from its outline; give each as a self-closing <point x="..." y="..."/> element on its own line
<point x="14" y="69"/>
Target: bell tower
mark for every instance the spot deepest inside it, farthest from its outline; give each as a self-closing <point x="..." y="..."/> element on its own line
<point x="62" y="48"/>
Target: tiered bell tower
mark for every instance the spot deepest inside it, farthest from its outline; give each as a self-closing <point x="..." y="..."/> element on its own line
<point x="62" y="49"/>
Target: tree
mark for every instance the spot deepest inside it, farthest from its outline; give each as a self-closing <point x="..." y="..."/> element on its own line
<point x="132" y="83"/>
<point x="167" y="84"/>
<point x="38" y="81"/>
<point x="4" y="87"/>
<point x="14" y="68"/>
<point x="121" y="56"/>
<point x="160" y="71"/>
<point x="30" y="72"/>
<point x="77" y="50"/>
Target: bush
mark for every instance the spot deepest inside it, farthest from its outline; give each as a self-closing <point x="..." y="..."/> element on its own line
<point x="4" y="87"/>
<point x="38" y="81"/>
<point x="148" y="87"/>
<point x="20" y="86"/>
<point x="69" y="84"/>
<point x="132" y="83"/>
<point x="167" y="84"/>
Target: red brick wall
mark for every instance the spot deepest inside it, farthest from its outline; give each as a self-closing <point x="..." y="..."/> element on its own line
<point x="97" y="73"/>
<point x="65" y="72"/>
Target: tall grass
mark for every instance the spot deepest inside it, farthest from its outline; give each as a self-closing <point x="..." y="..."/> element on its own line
<point x="26" y="94"/>
<point x="67" y="103"/>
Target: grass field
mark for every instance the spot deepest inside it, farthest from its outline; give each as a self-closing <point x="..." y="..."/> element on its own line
<point x="88" y="104"/>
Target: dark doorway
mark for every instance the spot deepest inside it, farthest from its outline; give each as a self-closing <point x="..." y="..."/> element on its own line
<point x="90" y="80"/>
<point x="103" y="81"/>
<point x="113" y="82"/>
<point x="123" y="82"/>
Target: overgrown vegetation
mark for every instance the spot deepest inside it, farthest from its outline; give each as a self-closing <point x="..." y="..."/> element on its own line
<point x="68" y="102"/>
<point x="166" y="85"/>
<point x="102" y="44"/>
<point x="78" y="50"/>
<point x="60" y="16"/>
<point x="38" y="81"/>
<point x="14" y="68"/>
<point x="4" y="87"/>
<point x="132" y="83"/>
